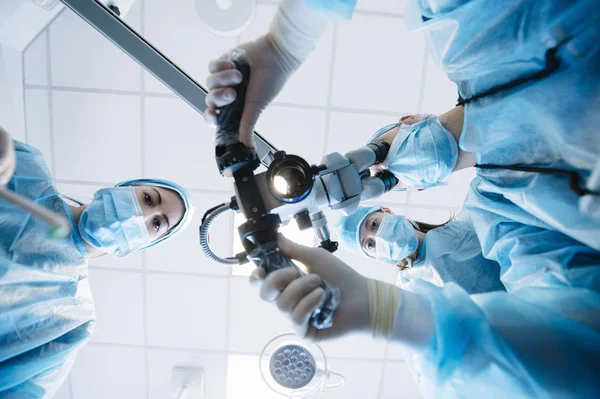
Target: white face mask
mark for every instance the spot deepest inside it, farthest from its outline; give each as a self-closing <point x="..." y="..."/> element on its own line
<point x="396" y="239"/>
<point x="423" y="153"/>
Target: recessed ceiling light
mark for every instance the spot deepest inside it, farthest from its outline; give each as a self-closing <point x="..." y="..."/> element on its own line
<point x="226" y="17"/>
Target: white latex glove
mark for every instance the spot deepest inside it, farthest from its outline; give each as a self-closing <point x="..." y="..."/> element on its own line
<point x="298" y="296"/>
<point x="270" y="68"/>
<point x="7" y="157"/>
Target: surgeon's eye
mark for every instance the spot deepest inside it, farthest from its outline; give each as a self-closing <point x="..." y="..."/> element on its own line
<point x="374" y="224"/>
<point x="156" y="224"/>
<point x="370" y="245"/>
<point x="148" y="199"/>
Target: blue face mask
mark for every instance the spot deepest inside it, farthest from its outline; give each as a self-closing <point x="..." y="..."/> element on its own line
<point x="113" y="222"/>
<point x="422" y="154"/>
<point x="395" y="239"/>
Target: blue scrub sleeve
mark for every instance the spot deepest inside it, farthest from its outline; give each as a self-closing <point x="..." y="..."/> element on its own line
<point x="540" y="339"/>
<point x="538" y="342"/>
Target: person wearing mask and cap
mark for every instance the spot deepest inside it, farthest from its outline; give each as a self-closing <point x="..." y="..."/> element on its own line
<point x="47" y="309"/>
<point x="448" y="252"/>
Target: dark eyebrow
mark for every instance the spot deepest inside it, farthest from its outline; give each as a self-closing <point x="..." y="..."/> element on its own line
<point x="167" y="220"/>
<point x="158" y="195"/>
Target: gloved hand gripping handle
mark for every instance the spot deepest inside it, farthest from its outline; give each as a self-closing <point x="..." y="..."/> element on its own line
<point x="259" y="232"/>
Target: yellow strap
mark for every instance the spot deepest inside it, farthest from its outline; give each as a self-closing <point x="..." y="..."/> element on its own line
<point x="384" y="300"/>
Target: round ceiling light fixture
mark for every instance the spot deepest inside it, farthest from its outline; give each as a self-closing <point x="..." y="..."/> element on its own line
<point x="226" y="17"/>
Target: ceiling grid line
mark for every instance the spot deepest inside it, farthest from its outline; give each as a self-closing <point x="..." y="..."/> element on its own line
<point x="50" y="107"/>
<point x="219" y="352"/>
<point x="145" y="309"/>
<point x="24" y="94"/>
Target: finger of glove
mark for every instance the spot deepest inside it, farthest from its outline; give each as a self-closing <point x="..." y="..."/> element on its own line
<point x="296" y="291"/>
<point x="313" y="258"/>
<point x="220" y="65"/>
<point x="276" y="282"/>
<point x="226" y="78"/>
<point x="304" y="309"/>
<point x="247" y="123"/>
<point x="210" y="117"/>
<point x="220" y="97"/>
<point x="257" y="276"/>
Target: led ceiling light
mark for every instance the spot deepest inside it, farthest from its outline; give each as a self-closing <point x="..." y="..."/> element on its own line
<point x="226" y="17"/>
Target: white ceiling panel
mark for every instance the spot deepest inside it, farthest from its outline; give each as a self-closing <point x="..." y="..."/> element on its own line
<point x="37" y="113"/>
<point x="82" y="57"/>
<point x="96" y="136"/>
<point x="119" y="306"/>
<point x="179" y="146"/>
<point x="36" y="62"/>
<point x="107" y="371"/>
<point x="378" y="65"/>
<point x="175" y="28"/>
<point x="186" y="311"/>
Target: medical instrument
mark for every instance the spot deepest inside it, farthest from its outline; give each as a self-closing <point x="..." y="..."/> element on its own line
<point x="59" y="226"/>
<point x="289" y="189"/>
<point x="340" y="182"/>
<point x="295" y="368"/>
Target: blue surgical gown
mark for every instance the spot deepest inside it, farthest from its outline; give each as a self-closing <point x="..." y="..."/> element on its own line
<point x="46" y="307"/>
<point x="451" y="253"/>
<point x="541" y="338"/>
<point x="551" y="122"/>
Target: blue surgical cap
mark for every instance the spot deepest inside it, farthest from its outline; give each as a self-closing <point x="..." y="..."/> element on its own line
<point x="348" y="228"/>
<point x="184" y="194"/>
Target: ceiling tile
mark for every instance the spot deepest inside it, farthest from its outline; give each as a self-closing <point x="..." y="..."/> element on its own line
<point x="395" y="351"/>
<point x="179" y="146"/>
<point x="82" y="57"/>
<point x="162" y="361"/>
<point x="397" y="381"/>
<point x="295" y="131"/>
<point x="349" y="131"/>
<point x="96" y="136"/>
<point x="394" y="6"/>
<point x="133" y="17"/>
<point x="119" y="307"/>
<point x="104" y="371"/>
<point x="439" y="93"/>
<point x="354" y="346"/>
<point x="450" y="195"/>
<point x="186" y="312"/>
<point x="378" y="65"/>
<point x="362" y="377"/>
<point x="184" y="254"/>
<point x="131" y="261"/>
<point x="36" y="62"/>
<point x="252" y="322"/>
<point x="188" y="43"/>
<point x="37" y="114"/>
<point x="64" y="392"/>
<point x="310" y="84"/>
<point x="245" y="381"/>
